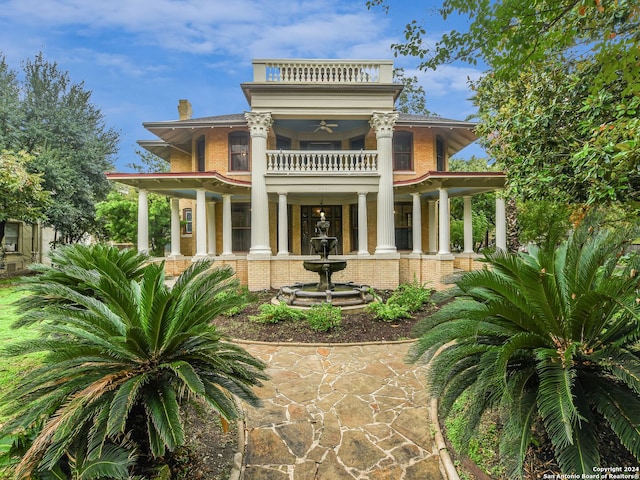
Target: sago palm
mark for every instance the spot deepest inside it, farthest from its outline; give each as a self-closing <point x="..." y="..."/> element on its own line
<point x="120" y="362"/>
<point x="76" y="266"/>
<point x="551" y="337"/>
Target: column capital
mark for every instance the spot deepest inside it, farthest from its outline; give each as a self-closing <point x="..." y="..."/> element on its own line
<point x="383" y="123"/>
<point x="259" y="123"/>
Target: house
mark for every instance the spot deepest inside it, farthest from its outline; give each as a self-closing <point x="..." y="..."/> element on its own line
<point x="23" y="243"/>
<point x="320" y="135"/>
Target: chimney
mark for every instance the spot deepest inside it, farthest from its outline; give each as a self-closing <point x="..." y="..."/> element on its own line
<point x="184" y="109"/>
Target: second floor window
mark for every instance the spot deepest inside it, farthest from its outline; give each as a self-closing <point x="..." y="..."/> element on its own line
<point x="239" y="152"/>
<point x="200" y="154"/>
<point x="440" y="154"/>
<point x="402" y="150"/>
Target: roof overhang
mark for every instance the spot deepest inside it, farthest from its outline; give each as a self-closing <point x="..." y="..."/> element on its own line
<point x="458" y="134"/>
<point x="458" y="184"/>
<point x="183" y="185"/>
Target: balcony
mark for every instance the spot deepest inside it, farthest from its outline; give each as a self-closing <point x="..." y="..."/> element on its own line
<point x="342" y="162"/>
<point x="368" y="72"/>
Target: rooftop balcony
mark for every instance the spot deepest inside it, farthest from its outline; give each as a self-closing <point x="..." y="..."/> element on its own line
<point x="341" y="162"/>
<point x="369" y="72"/>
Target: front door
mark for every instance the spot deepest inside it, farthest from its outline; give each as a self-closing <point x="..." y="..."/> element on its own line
<point x="310" y="216"/>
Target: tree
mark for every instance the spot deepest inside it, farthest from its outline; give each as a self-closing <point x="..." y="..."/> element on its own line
<point x="119" y="213"/>
<point x="124" y="359"/>
<point x="548" y="338"/>
<point x="149" y="163"/>
<point x="22" y="195"/>
<point x="588" y="51"/>
<point x="412" y="99"/>
<point x="55" y="121"/>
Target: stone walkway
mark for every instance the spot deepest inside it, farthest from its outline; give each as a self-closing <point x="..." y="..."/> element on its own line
<point x="340" y="412"/>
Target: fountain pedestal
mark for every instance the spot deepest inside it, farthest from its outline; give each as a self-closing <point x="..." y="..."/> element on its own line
<point x="340" y="294"/>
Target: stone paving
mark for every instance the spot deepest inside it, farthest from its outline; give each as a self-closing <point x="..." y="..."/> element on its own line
<point x="340" y="412"/>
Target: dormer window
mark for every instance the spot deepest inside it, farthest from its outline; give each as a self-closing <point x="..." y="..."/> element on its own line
<point x="402" y="151"/>
<point x="239" y="152"/>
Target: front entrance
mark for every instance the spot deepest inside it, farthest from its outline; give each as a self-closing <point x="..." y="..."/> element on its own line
<point x="310" y="216"/>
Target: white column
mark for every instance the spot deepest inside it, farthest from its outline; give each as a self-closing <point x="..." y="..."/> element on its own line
<point x="382" y="123"/>
<point x="227" y="244"/>
<point x="363" y="237"/>
<point x="211" y="228"/>
<point x="444" y="221"/>
<point x="501" y="223"/>
<point x="416" y="226"/>
<point x="433" y="230"/>
<point x="201" y="223"/>
<point x="259" y="125"/>
<point x="143" y="221"/>
<point x="468" y="226"/>
<point x="283" y="225"/>
<point x="175" y="227"/>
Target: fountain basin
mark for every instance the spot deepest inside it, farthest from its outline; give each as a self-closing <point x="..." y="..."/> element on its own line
<point x="324" y="268"/>
<point x="347" y="295"/>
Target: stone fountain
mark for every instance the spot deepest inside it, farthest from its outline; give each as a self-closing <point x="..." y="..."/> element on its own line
<point x="346" y="294"/>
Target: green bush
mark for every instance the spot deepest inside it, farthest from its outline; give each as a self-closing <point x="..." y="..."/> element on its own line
<point x="412" y="296"/>
<point x="242" y="294"/>
<point x="388" y="312"/>
<point x="324" y="317"/>
<point x="270" y="313"/>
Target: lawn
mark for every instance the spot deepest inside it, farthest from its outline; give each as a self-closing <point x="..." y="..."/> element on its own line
<point x="10" y="369"/>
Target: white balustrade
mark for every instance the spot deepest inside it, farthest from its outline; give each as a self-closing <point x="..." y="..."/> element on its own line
<point x="323" y="161"/>
<point x="323" y="71"/>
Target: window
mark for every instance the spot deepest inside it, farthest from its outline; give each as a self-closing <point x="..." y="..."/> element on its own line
<point x="353" y="227"/>
<point x="239" y="151"/>
<point x="402" y="150"/>
<point x="403" y="223"/>
<point x="240" y="227"/>
<point x="440" y="154"/>
<point x="283" y="143"/>
<point x="187" y="219"/>
<point x="11" y="235"/>
<point x="200" y="154"/>
<point x="356" y="143"/>
<point x="321" y="145"/>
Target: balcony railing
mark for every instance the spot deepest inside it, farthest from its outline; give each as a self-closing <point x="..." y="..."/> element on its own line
<point x="323" y="71"/>
<point x="322" y="161"/>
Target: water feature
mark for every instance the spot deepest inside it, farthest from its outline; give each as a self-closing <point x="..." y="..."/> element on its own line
<point x="339" y="294"/>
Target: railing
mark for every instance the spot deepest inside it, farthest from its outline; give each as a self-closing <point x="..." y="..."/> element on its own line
<point x="323" y="71"/>
<point x="323" y="161"/>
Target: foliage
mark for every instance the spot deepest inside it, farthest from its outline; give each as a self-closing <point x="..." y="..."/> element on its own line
<point x="123" y="361"/>
<point x="241" y="295"/>
<point x="558" y="107"/>
<point x="387" y="312"/>
<point x="411" y="296"/>
<point x="77" y="267"/>
<point x="22" y="195"/>
<point x="119" y="216"/>
<point x="543" y="221"/>
<point x="324" y="317"/>
<point x="274" y="313"/>
<point x="412" y="99"/>
<point x="56" y="123"/>
<point x="549" y="335"/>
<point x="556" y="140"/>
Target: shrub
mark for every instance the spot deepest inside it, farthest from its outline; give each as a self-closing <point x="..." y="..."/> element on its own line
<point x="324" y="317"/>
<point x="388" y="312"/>
<point x="123" y="361"/>
<point x="270" y="313"/>
<point x="412" y="296"/>
<point x="240" y="294"/>
<point x="550" y="339"/>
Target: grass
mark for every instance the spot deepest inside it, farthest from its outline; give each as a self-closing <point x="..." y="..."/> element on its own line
<point x="12" y="369"/>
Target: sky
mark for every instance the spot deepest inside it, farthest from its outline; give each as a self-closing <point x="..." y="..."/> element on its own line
<point x="139" y="57"/>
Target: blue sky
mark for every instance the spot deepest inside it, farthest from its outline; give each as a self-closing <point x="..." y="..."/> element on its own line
<point x="139" y="57"/>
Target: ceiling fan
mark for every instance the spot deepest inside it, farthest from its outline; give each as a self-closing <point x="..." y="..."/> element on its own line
<point x="325" y="126"/>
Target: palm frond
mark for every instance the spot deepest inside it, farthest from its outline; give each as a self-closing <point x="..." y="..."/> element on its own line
<point x="162" y="409"/>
